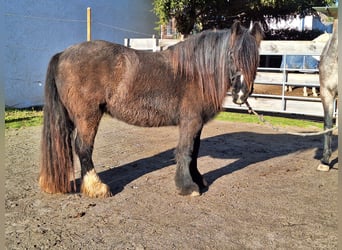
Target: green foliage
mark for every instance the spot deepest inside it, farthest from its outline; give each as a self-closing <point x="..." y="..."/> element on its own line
<point x="186" y="12"/>
<point x="18" y="118"/>
<point x="306" y="35"/>
<point x="209" y="14"/>
<point x="21" y="118"/>
<point x="274" y="120"/>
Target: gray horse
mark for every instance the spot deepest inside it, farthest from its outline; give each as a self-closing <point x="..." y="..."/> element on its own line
<point x="328" y="78"/>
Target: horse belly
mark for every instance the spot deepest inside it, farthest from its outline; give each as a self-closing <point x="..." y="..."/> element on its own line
<point x="145" y="110"/>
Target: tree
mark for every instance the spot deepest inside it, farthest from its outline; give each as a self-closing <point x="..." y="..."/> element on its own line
<point x="209" y="14"/>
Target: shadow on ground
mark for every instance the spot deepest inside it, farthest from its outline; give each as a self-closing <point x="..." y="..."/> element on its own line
<point x="245" y="147"/>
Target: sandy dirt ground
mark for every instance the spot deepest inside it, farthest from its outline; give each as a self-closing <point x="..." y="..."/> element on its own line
<point x="264" y="193"/>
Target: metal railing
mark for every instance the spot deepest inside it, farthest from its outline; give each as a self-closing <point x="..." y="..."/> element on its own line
<point x="283" y="77"/>
<point x="284" y="103"/>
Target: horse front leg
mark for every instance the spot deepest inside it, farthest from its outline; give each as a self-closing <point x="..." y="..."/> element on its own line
<point x="91" y="185"/>
<point x="195" y="174"/>
<point x="188" y="179"/>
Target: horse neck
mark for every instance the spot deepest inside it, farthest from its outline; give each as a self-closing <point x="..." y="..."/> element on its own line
<point x="198" y="64"/>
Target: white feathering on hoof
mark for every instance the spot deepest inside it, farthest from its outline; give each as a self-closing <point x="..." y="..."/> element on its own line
<point x="93" y="187"/>
<point x="194" y="194"/>
<point x="323" y="167"/>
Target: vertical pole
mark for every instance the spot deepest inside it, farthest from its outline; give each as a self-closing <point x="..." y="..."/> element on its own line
<point x="335" y="24"/>
<point x="88" y="24"/>
<point x="285" y="80"/>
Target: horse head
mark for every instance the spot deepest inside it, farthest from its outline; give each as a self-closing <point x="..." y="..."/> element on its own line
<point x="244" y="57"/>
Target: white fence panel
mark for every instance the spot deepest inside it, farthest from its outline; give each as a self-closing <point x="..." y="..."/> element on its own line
<point x="282" y="76"/>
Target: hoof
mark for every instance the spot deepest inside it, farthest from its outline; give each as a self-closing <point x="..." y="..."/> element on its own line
<point x="195" y="193"/>
<point x="323" y="167"/>
<point x="93" y="187"/>
<point x="192" y="190"/>
<point x="202" y="184"/>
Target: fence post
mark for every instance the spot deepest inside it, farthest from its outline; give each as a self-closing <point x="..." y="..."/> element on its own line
<point x="283" y="101"/>
<point x="88" y="24"/>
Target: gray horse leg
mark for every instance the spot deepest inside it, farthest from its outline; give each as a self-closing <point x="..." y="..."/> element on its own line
<point x="328" y="107"/>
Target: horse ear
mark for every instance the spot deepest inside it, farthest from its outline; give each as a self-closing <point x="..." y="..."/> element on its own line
<point x="236" y="28"/>
<point x="257" y="31"/>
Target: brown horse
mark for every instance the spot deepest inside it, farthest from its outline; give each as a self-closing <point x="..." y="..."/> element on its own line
<point x="184" y="85"/>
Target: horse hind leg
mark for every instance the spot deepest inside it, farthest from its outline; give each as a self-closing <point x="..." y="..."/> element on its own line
<point x="288" y="88"/>
<point x="325" y="161"/>
<point x="91" y="186"/>
<point x="314" y="92"/>
<point x="328" y="108"/>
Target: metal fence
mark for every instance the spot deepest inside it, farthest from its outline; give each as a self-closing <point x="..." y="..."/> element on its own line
<point x="285" y="76"/>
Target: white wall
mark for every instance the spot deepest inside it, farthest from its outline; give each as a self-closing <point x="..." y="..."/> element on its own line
<point x="37" y="29"/>
<point x="299" y="23"/>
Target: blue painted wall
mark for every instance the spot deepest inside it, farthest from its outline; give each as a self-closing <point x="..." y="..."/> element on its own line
<point x="37" y="29"/>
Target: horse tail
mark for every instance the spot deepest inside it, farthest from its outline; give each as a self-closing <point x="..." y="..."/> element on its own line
<point x="56" y="167"/>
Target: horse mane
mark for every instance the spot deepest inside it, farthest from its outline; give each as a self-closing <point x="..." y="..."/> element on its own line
<point x="210" y="57"/>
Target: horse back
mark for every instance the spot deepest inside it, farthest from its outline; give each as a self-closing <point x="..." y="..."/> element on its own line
<point x="328" y="66"/>
<point x="137" y="87"/>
